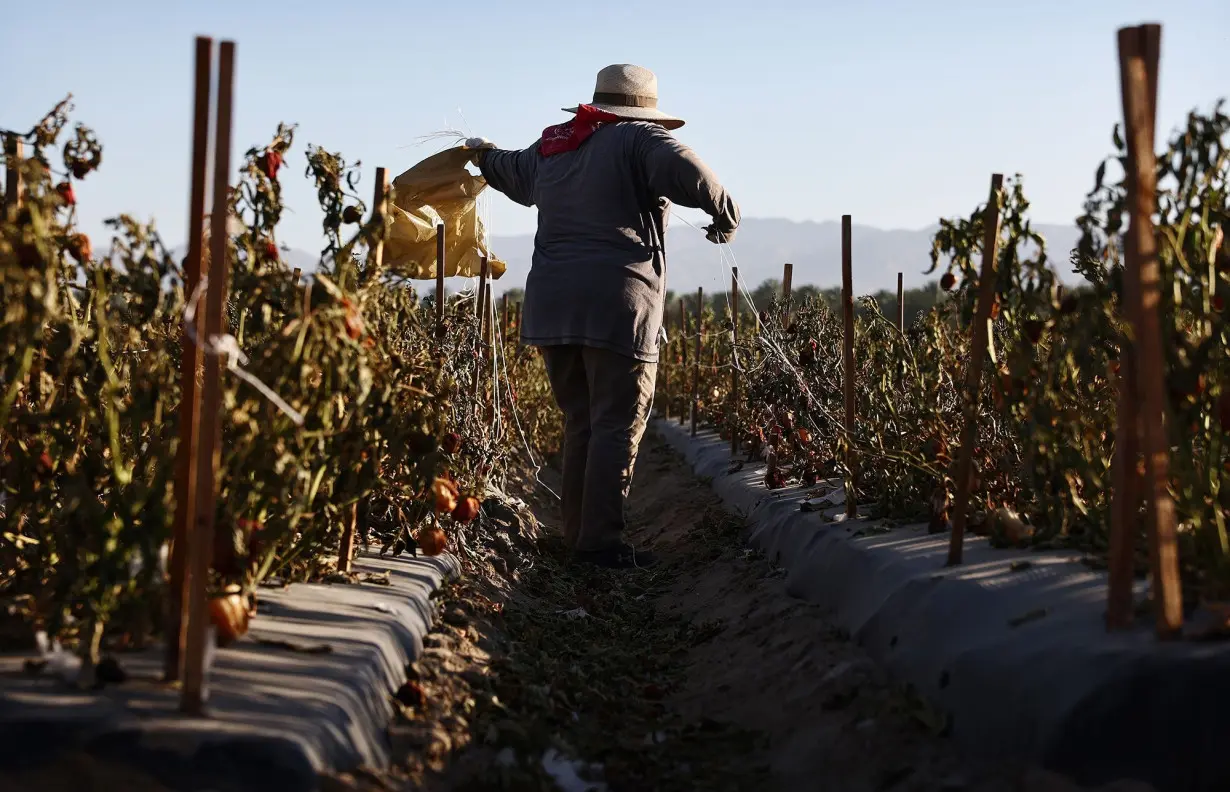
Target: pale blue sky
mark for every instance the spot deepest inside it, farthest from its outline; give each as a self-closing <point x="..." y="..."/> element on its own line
<point x="895" y="112"/>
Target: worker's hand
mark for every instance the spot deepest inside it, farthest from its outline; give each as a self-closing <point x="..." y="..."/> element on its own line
<point x="479" y="147"/>
<point x="718" y="237"/>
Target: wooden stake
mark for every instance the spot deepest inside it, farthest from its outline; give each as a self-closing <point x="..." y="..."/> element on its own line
<point x="1139" y="53"/>
<point x="664" y="367"/>
<point x="479" y="301"/>
<point x="489" y="331"/>
<point x="504" y="316"/>
<point x="488" y="315"/>
<point x="518" y="328"/>
<point x="380" y="198"/>
<point x="734" y="361"/>
<point x="980" y="337"/>
<point x="900" y="305"/>
<point x="700" y="329"/>
<point x="1126" y="496"/>
<point x="787" y="277"/>
<point x="683" y="348"/>
<point x="440" y="264"/>
<point x="14" y="151"/>
<point x="482" y="288"/>
<point x="189" y="370"/>
<point x="847" y="307"/>
<point x="345" y="547"/>
<point x="209" y="452"/>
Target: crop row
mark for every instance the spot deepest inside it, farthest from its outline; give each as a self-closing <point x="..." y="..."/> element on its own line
<point x="344" y="404"/>
<point x="1046" y="411"/>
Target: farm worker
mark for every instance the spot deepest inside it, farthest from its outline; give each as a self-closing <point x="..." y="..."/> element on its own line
<point x="595" y="295"/>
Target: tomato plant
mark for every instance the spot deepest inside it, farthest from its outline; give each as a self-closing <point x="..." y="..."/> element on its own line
<point x="344" y="401"/>
<point x="1047" y="407"/>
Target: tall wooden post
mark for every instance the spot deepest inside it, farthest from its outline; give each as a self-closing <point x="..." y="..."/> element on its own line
<point x="734" y="361"/>
<point x="482" y="287"/>
<point x="700" y="331"/>
<point x="1126" y="497"/>
<point x="479" y="303"/>
<point x="440" y="266"/>
<point x="209" y="457"/>
<point x="189" y="370"/>
<point x="503" y="316"/>
<point x="663" y="375"/>
<point x="787" y="277"/>
<point x="847" y="307"/>
<point x="683" y="352"/>
<point x="979" y="341"/>
<point x="1139" y="54"/>
<point x="14" y="151"/>
<point x="488" y="330"/>
<point x="900" y="305"/>
<point x="345" y="548"/>
<point x="517" y="314"/>
<point x="488" y="314"/>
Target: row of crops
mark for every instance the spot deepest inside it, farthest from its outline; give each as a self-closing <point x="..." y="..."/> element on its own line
<point x="347" y="402"/>
<point x="1046" y="413"/>
<point x="354" y="401"/>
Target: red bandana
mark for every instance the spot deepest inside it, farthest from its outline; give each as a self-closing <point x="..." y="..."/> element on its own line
<point x="569" y="135"/>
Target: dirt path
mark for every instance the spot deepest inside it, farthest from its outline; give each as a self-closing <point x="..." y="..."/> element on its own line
<point x="829" y="718"/>
<point x="700" y="674"/>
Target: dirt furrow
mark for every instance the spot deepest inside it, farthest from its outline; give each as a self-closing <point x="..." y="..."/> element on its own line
<point x="702" y="673"/>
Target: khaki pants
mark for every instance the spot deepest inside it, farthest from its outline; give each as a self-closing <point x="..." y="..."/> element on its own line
<point x="605" y="398"/>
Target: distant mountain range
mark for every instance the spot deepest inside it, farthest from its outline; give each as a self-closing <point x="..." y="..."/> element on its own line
<point x="763" y="245"/>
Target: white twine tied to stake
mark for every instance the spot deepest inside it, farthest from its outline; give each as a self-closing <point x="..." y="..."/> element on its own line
<point x="226" y="345"/>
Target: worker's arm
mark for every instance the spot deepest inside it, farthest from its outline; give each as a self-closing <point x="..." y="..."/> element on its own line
<point x="510" y="172"/>
<point x="675" y="172"/>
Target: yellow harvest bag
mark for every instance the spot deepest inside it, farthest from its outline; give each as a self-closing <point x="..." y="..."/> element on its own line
<point x="438" y="190"/>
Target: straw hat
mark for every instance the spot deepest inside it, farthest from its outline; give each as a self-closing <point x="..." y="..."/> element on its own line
<point x="630" y="92"/>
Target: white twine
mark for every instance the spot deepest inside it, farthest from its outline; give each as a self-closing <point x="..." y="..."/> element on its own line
<point x="497" y="347"/>
<point x="516" y="413"/>
<point x="226" y="345"/>
<point x="727" y="262"/>
<point x="499" y="361"/>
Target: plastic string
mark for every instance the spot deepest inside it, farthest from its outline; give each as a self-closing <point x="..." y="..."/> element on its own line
<point x="226" y="345"/>
<point x="726" y="259"/>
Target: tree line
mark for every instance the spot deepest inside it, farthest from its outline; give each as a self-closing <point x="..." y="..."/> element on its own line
<point x="917" y="300"/>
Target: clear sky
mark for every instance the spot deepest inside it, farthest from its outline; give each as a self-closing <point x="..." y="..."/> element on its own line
<point x="894" y="112"/>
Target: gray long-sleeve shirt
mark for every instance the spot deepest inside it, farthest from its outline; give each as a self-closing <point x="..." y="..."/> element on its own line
<point x="598" y="276"/>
